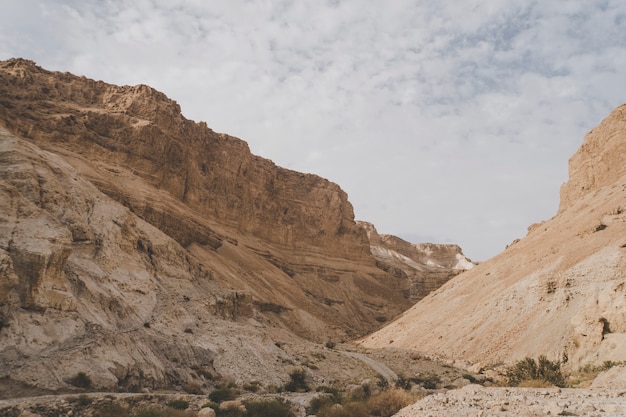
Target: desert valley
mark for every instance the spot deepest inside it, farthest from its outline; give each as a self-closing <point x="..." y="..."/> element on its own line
<point x="150" y="266"/>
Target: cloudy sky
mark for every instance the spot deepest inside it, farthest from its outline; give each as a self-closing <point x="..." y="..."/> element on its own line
<point x="445" y="121"/>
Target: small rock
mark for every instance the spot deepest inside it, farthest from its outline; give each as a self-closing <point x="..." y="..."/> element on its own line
<point x="206" y="412"/>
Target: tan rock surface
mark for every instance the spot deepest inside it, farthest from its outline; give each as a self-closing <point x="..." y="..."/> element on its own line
<point x="475" y="400"/>
<point x="560" y="291"/>
<point x="149" y="251"/>
<point x="424" y="266"/>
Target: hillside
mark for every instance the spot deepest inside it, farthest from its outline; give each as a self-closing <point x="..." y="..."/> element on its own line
<point x="560" y="291"/>
<point x="153" y="252"/>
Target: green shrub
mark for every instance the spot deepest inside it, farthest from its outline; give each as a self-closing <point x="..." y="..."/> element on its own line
<point x="178" y="404"/>
<point x="297" y="381"/>
<point x="222" y="394"/>
<point x="193" y="388"/>
<point x="529" y="369"/>
<point x="276" y="407"/>
<point x="252" y="386"/>
<point x="150" y="412"/>
<point x="403" y="383"/>
<point x="430" y="381"/>
<point x="111" y="410"/>
<point x="81" y="380"/>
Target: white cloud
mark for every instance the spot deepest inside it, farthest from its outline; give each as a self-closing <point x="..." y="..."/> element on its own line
<point x="449" y="120"/>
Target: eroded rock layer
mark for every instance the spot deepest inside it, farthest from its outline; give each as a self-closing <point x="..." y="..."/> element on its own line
<point x="150" y="251"/>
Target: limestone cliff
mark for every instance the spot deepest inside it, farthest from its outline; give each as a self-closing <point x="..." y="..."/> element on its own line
<point x="151" y="251"/>
<point x="560" y="291"/>
<point x="425" y="266"/>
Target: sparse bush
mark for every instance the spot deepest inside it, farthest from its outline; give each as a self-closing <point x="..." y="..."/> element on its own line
<point x="330" y="344"/>
<point x="529" y="369"/>
<point x="193" y="388"/>
<point x="276" y="407"/>
<point x="429" y="381"/>
<point x="403" y="383"/>
<point x="389" y="402"/>
<point x="150" y="412"/>
<point x="211" y="404"/>
<point x="221" y="394"/>
<point x="82" y="400"/>
<point x="297" y="381"/>
<point x="252" y="386"/>
<point x="178" y="404"/>
<point x="320" y="403"/>
<point x="112" y="410"/>
<point x="354" y="409"/>
<point x="382" y="382"/>
<point x="81" y="380"/>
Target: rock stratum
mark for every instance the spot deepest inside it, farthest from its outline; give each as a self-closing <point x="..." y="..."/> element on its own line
<point x="426" y="266"/>
<point x="560" y="291"/>
<point x="149" y="251"/>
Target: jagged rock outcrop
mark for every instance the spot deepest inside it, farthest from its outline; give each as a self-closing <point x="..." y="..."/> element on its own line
<point x="560" y="291"/>
<point x="150" y="251"/>
<point x="425" y="266"/>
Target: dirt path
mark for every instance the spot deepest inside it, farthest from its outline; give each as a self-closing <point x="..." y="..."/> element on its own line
<point x="379" y="367"/>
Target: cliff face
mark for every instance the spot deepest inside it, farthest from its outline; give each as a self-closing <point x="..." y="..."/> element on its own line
<point x="151" y="251"/>
<point x="424" y="266"/>
<point x="139" y="130"/>
<point x="560" y="291"/>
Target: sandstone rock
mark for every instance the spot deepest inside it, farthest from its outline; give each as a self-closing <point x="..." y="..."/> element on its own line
<point x="147" y="250"/>
<point x="558" y="292"/>
<point x="424" y="267"/>
<point x="206" y="412"/>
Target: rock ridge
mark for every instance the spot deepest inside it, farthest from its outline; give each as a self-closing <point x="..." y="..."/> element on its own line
<point x="557" y="292"/>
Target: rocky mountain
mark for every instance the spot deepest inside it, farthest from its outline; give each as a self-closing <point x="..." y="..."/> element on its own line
<point x="426" y="266"/>
<point x="147" y="250"/>
<point x="560" y="291"/>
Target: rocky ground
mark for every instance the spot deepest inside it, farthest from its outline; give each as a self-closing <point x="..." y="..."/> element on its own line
<point x="475" y="400"/>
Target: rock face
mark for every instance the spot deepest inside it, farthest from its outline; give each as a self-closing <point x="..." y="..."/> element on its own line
<point x="151" y="251"/>
<point x="560" y="291"/>
<point x="425" y="266"/>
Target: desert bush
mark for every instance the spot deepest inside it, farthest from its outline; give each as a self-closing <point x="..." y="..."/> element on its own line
<point x="354" y="409"/>
<point x="193" y="388"/>
<point x="223" y="393"/>
<point x="330" y="344"/>
<point x="111" y="410"/>
<point x="320" y="403"/>
<point x="252" y="386"/>
<point x="178" y="404"/>
<point x="403" y="383"/>
<point x="150" y="412"/>
<point x="389" y="402"/>
<point x="81" y="380"/>
<point x="276" y="407"/>
<point x="297" y="381"/>
<point x="529" y="369"/>
<point x="82" y="400"/>
<point x="430" y="381"/>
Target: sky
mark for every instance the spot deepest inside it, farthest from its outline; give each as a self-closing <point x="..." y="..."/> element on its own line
<point x="445" y="121"/>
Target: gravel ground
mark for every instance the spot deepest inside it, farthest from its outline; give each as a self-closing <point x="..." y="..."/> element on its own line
<point x="475" y="400"/>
